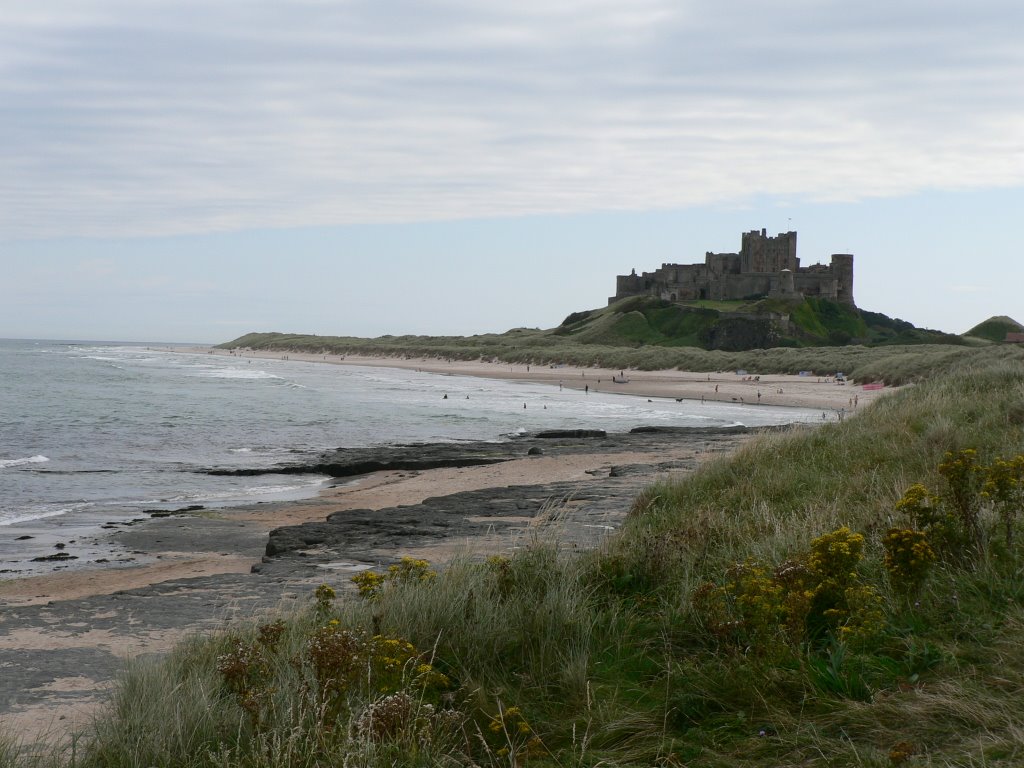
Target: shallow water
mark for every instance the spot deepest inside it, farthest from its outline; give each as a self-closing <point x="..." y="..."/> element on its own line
<point x="91" y="428"/>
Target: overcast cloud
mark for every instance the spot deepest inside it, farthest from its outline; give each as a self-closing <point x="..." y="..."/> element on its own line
<point x="154" y="117"/>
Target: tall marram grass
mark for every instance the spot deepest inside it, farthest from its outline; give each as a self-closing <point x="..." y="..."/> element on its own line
<point x="773" y="495"/>
<point x="605" y="658"/>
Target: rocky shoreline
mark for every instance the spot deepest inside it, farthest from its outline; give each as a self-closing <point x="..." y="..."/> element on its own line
<point x="60" y="657"/>
<point x="351" y="462"/>
<point x="375" y="536"/>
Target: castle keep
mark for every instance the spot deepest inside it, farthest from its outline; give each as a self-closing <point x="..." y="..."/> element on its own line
<point x="764" y="267"/>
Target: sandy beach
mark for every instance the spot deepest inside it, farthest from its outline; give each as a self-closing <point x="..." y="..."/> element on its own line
<point x="723" y="386"/>
<point x="64" y="635"/>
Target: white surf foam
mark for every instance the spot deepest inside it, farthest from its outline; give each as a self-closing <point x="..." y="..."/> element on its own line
<point x="5" y="463"/>
<point x="264" y="490"/>
<point x="237" y="373"/>
<point x="19" y="516"/>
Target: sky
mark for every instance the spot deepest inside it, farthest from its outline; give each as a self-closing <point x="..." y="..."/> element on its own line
<point x="190" y="171"/>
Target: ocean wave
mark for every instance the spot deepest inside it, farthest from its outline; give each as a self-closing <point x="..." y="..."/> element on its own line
<point x="237" y="373"/>
<point x="232" y="495"/>
<point x="267" y="450"/>
<point x="11" y="517"/>
<point x="6" y="463"/>
<point x="263" y="490"/>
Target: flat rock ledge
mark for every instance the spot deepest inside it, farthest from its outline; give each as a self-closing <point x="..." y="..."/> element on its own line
<point x="579" y="514"/>
<point x="352" y="462"/>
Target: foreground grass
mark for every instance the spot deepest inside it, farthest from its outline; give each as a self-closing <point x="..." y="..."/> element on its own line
<point x="624" y="657"/>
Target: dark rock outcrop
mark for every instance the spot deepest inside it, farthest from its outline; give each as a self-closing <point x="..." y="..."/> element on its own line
<point x="351" y="462"/>
<point x="551" y="434"/>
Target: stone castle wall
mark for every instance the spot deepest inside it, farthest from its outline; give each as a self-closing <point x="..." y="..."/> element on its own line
<point x="764" y="267"/>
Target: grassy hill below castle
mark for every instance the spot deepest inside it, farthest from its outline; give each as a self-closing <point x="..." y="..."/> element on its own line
<point x="738" y="325"/>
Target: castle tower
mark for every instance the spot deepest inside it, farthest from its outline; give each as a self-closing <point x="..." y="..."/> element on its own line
<point x="628" y="285"/>
<point x="760" y="253"/>
<point x="842" y="270"/>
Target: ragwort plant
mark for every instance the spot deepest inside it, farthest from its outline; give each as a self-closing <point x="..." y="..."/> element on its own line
<point x="964" y="478"/>
<point x="325" y="596"/>
<point x="1004" y="489"/>
<point x="337" y="668"/>
<point x="515" y="737"/>
<point x="408" y="570"/>
<point x="408" y="725"/>
<point x="246" y="670"/>
<point x="842" y="606"/>
<point x="908" y="559"/>
<point x="952" y="521"/>
<point x="346" y="662"/>
<point x="808" y="601"/>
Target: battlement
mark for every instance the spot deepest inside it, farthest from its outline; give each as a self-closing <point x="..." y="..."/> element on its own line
<point x="765" y="267"/>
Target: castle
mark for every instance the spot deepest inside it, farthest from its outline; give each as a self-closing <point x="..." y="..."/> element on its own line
<point x="764" y="267"/>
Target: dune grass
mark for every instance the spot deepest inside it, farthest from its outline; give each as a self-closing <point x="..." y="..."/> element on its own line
<point x="680" y="642"/>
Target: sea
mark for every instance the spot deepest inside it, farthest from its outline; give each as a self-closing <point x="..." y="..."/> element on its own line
<point x="92" y="431"/>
